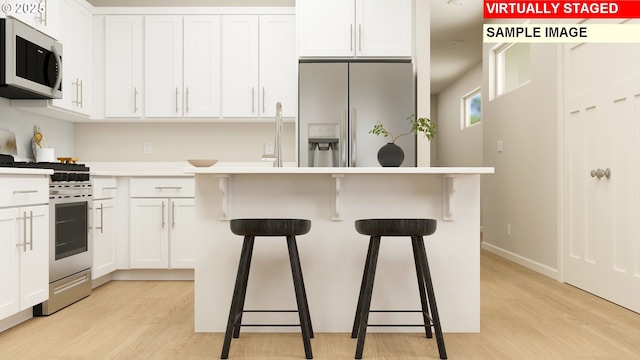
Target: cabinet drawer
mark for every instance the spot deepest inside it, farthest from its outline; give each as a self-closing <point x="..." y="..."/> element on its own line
<point x="163" y="187"/>
<point x="104" y="187"/>
<point x="21" y="190"/>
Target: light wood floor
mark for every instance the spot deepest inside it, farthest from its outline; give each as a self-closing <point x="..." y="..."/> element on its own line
<point x="524" y="316"/>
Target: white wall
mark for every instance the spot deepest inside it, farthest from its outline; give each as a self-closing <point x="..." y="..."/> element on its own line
<point x="523" y="191"/>
<point x="179" y="141"/>
<point x="457" y="146"/>
<point x="58" y="134"/>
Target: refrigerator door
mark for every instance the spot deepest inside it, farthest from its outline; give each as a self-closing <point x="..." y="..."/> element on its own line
<point x="323" y="105"/>
<point x="382" y="92"/>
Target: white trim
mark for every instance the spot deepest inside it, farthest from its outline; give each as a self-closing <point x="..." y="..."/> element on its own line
<point x="520" y="260"/>
<point x="15" y="319"/>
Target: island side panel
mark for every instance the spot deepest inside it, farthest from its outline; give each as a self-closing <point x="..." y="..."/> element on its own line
<point x="332" y="254"/>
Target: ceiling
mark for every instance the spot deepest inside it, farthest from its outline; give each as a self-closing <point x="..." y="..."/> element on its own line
<point x="449" y="24"/>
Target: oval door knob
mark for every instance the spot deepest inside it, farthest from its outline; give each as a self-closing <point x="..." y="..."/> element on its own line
<point x="600" y="173"/>
<point x="593" y="173"/>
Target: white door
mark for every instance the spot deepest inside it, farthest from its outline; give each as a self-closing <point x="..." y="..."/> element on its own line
<point x="182" y="235"/>
<point x="123" y="66"/>
<point x="240" y="66"/>
<point x="34" y="262"/>
<point x="202" y="66"/>
<point x="383" y="28"/>
<point x="83" y="62"/>
<point x="278" y="65"/>
<point x="601" y="231"/>
<point x="149" y="234"/>
<point x="9" y="263"/>
<point x="104" y="240"/>
<point x="326" y="27"/>
<point x="163" y="66"/>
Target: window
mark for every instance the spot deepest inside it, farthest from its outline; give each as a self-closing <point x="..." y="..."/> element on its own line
<point x="471" y="105"/>
<point x="512" y="66"/>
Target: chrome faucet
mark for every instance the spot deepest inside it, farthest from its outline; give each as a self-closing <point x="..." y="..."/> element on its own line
<point x="278" y="145"/>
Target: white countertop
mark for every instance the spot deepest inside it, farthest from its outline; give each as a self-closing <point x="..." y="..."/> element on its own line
<point x="24" y="171"/>
<point x="339" y="170"/>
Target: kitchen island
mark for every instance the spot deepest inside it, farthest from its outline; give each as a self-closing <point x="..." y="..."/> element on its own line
<point x="333" y="253"/>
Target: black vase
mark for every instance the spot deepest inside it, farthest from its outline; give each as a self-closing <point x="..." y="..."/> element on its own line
<point x="390" y="155"/>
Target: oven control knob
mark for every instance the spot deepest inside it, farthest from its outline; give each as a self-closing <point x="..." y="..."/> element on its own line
<point x="59" y="177"/>
<point x="71" y="177"/>
<point x="85" y="177"/>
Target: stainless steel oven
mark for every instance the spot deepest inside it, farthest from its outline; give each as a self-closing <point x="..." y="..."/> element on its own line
<point x="70" y="254"/>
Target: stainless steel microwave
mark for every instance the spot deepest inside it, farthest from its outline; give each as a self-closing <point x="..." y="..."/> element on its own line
<point x="30" y="62"/>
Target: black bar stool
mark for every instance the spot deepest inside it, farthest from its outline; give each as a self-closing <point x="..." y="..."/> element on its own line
<point x="416" y="229"/>
<point x="250" y="228"/>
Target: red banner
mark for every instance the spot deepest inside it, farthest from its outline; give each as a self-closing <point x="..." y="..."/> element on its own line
<point x="519" y="9"/>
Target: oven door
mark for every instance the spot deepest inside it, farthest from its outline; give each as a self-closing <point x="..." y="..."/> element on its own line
<point x="70" y="250"/>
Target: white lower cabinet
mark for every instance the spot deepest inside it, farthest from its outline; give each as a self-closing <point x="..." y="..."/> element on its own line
<point x="103" y="220"/>
<point x="161" y="228"/>
<point x="24" y="258"/>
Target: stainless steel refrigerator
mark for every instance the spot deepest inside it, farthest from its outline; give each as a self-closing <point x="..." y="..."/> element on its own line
<point x="339" y="102"/>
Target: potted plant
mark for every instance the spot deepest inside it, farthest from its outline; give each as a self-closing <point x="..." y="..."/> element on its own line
<point x="391" y="154"/>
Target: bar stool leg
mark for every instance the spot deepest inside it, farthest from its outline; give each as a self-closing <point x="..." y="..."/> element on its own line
<point x="356" y="321"/>
<point x="421" y="287"/>
<point x="243" y="292"/>
<point x="422" y="253"/>
<point x="304" y="291"/>
<point x="368" y="290"/>
<point x="300" y="295"/>
<point x="243" y="269"/>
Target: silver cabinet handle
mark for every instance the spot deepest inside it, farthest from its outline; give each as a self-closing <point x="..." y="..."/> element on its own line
<point x="81" y="93"/>
<point x="30" y="230"/>
<point x="168" y="187"/>
<point x="186" y="107"/>
<point x="360" y="37"/>
<point x="253" y="100"/>
<point x="163" y="214"/>
<point x="177" y="100"/>
<point x="263" y="100"/>
<point x="173" y="215"/>
<point x="101" y="218"/>
<point x="344" y="135"/>
<point x="42" y="18"/>
<point x="24" y="191"/>
<point x="351" y="37"/>
<point x="75" y="101"/>
<point x="110" y="188"/>
<point x="352" y="132"/>
<point x="135" y="100"/>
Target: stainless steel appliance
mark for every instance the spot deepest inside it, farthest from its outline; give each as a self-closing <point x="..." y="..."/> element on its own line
<point x="70" y="250"/>
<point x="339" y="102"/>
<point x="31" y="62"/>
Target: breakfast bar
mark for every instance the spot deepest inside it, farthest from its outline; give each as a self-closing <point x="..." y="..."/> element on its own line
<point x="332" y="254"/>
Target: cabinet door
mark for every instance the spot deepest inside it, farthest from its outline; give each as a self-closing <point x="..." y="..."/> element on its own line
<point x="34" y="258"/>
<point x="163" y="66"/>
<point x="104" y="238"/>
<point x="326" y="27"/>
<point x="123" y="66"/>
<point x="278" y="65"/>
<point x="9" y="263"/>
<point x="240" y="66"/>
<point x="149" y="237"/>
<point x="67" y="37"/>
<point x="182" y="236"/>
<point x="383" y="28"/>
<point x="83" y="53"/>
<point x="202" y="66"/>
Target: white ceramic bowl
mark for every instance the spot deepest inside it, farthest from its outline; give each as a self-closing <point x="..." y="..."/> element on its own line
<point x="202" y="162"/>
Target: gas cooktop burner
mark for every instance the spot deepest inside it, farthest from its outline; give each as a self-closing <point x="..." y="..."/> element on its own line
<point x="56" y="166"/>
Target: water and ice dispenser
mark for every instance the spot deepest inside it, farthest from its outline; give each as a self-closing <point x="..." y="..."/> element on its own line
<point x="324" y="145"/>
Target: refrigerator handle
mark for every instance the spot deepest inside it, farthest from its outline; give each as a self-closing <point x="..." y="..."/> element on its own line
<point x="352" y="141"/>
<point x="344" y="135"/>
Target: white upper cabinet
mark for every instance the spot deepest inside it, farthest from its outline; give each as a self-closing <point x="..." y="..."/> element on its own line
<point x="163" y="66"/>
<point x="123" y="66"/>
<point x="348" y="28"/>
<point x="202" y="66"/>
<point x="240" y="66"/>
<point x="77" y="64"/>
<point x="259" y="65"/>
<point x="278" y="65"/>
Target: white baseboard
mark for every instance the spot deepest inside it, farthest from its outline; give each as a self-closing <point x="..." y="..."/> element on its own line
<point x="521" y="260"/>
<point x="16" y="319"/>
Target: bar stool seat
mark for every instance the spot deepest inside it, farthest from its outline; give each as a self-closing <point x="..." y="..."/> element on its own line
<point x="415" y="229"/>
<point x="268" y="227"/>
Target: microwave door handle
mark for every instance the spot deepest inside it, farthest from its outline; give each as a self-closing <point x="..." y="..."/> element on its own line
<point x="54" y="49"/>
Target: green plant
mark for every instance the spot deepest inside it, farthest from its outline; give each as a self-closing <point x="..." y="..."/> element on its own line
<point x="423" y="125"/>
